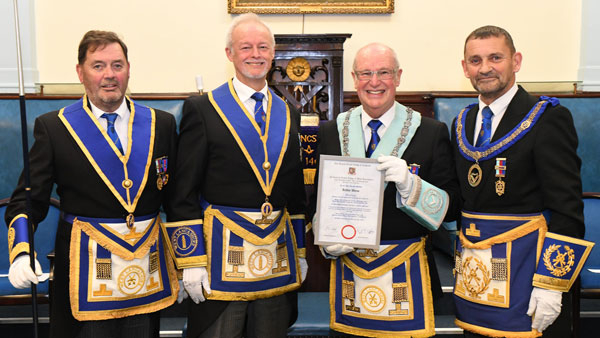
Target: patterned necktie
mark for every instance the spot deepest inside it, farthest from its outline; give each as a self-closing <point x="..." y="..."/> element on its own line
<point x="374" y="125"/>
<point x="110" y="130"/>
<point x="485" y="135"/>
<point x="259" y="112"/>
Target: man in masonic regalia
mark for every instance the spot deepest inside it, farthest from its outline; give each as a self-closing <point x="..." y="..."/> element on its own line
<point x="109" y="158"/>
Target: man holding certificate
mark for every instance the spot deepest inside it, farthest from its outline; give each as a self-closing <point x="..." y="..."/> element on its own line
<point x="387" y="291"/>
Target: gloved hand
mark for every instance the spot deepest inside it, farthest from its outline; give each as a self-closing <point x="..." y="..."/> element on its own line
<point x="194" y="279"/>
<point x="396" y="171"/>
<point x="545" y="306"/>
<point x="20" y="274"/>
<point x="303" y="268"/>
<point x="182" y="295"/>
<point x="338" y="249"/>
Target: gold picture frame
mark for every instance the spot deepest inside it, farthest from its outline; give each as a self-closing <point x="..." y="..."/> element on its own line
<point x="310" y="6"/>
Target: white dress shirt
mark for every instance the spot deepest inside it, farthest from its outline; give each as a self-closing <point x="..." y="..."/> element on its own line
<point x="498" y="108"/>
<point x="386" y="119"/>
<point x="245" y="94"/>
<point x="121" y="123"/>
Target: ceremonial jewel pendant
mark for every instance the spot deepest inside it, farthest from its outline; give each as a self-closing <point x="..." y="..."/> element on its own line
<point x="474" y="175"/>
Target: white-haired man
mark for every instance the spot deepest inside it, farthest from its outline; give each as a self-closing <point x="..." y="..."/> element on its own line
<point x="238" y="218"/>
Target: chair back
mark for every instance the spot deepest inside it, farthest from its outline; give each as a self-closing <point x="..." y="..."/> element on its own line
<point x="590" y="280"/>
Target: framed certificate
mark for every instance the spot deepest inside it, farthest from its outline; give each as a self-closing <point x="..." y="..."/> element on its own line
<point x="349" y="202"/>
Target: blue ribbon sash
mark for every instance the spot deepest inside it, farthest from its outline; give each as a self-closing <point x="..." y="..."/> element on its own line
<point x="125" y="175"/>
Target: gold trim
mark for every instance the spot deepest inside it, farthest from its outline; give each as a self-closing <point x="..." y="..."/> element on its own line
<point x="311" y="7"/>
<point x="183" y="262"/>
<point x="496" y="333"/>
<point x="243" y="233"/>
<point x="402" y="257"/>
<point x="535" y="223"/>
<point x="476" y="155"/>
<point x="127" y="205"/>
<point x="116" y="249"/>
<point x="111" y="314"/>
<point x="245" y="296"/>
<point x="429" y="323"/>
<point x="557" y="284"/>
<point x="267" y="184"/>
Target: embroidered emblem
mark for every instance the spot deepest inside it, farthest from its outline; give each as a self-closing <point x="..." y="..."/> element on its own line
<point x="11" y="239"/>
<point x="499" y="269"/>
<point x="372" y="298"/>
<point x="475" y="279"/>
<point x="103" y="268"/>
<point x="495" y="296"/>
<point x="235" y="258"/>
<point x="348" y="293"/>
<point x="281" y="253"/>
<point x="153" y="262"/>
<point x="432" y="201"/>
<point x="472" y="231"/>
<point x="260" y="262"/>
<point x="184" y="241"/>
<point x="457" y="263"/>
<point x="131" y="280"/>
<point x="400" y="295"/>
<point x="102" y="291"/>
<point x="559" y="266"/>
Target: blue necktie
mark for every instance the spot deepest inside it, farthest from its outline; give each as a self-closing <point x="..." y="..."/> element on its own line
<point x="374" y="125"/>
<point x="259" y="112"/>
<point x="110" y="130"/>
<point x="485" y="135"/>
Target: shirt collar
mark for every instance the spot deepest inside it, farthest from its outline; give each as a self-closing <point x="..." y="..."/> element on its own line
<point x="386" y="119"/>
<point x="500" y="105"/>
<point x="121" y="111"/>
<point x="245" y="92"/>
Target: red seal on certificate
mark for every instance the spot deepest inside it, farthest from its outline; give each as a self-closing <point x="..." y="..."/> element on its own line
<point x="348" y="231"/>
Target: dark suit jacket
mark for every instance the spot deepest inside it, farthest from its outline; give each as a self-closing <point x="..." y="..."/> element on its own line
<point x="430" y="148"/>
<point x="212" y="166"/>
<point x="542" y="169"/>
<point x="55" y="158"/>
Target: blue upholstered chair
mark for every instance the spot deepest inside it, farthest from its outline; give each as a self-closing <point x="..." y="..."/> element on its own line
<point x="44" y="245"/>
<point x="590" y="281"/>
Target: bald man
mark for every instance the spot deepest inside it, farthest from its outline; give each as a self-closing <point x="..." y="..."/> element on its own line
<point x="392" y="294"/>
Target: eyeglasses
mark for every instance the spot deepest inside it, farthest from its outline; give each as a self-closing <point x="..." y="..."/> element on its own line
<point x="382" y="74"/>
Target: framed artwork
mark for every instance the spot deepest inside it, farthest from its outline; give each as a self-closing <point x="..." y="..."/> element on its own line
<point x="310" y="6"/>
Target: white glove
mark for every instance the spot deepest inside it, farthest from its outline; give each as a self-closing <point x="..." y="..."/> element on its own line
<point x="182" y="295"/>
<point x="396" y="171"/>
<point x="338" y="249"/>
<point x="303" y="268"/>
<point x="194" y="279"/>
<point x="545" y="306"/>
<point x="20" y="274"/>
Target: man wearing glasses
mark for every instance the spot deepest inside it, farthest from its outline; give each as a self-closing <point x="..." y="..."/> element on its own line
<point x="392" y="293"/>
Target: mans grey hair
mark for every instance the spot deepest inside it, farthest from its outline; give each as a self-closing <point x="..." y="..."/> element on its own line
<point x="380" y="46"/>
<point x="244" y="18"/>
